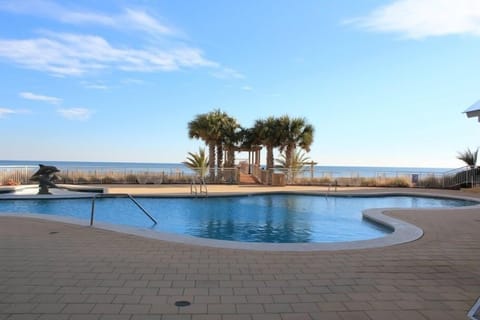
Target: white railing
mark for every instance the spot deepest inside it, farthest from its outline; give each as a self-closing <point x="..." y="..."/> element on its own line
<point x="461" y="177"/>
<point x="13" y="175"/>
<point x="18" y="175"/>
<point x="307" y="176"/>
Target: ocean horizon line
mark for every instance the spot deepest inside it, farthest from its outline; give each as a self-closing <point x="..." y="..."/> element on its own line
<point x="71" y="163"/>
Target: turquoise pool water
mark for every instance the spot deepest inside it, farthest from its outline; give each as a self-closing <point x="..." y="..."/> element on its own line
<point x="275" y="218"/>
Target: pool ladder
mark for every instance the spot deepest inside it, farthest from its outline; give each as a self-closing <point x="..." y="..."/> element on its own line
<point x="333" y="186"/>
<point x="330" y="186"/>
<point x="201" y="189"/>
<point x="117" y="195"/>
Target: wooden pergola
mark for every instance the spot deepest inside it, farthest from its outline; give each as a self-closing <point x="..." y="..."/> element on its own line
<point x="253" y="156"/>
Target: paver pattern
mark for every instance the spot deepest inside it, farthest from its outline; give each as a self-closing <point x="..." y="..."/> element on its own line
<point x="51" y="270"/>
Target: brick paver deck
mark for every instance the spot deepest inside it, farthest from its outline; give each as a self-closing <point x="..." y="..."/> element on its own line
<point x="51" y="270"/>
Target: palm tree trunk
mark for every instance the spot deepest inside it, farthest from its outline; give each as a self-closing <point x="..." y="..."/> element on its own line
<point x="211" y="159"/>
<point x="289" y="153"/>
<point x="229" y="163"/>
<point x="219" y="162"/>
<point x="219" y="155"/>
<point x="269" y="157"/>
<point x="269" y="164"/>
<point x="231" y="157"/>
<point x="228" y="158"/>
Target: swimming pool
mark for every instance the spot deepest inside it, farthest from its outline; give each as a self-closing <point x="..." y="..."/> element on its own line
<point x="272" y="218"/>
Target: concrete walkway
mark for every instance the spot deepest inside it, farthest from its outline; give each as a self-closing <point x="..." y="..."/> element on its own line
<point x="51" y="270"/>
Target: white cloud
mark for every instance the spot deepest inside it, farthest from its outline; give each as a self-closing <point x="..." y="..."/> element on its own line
<point x="37" y="97"/>
<point x="158" y="47"/>
<point x="66" y="54"/>
<point x="5" y="112"/>
<point x="134" y="81"/>
<point x="127" y="19"/>
<point x="97" y="86"/>
<point x="227" y="73"/>
<point x="72" y="17"/>
<point x="247" y="88"/>
<point x="418" y="19"/>
<point x="141" y="20"/>
<point x="75" y="113"/>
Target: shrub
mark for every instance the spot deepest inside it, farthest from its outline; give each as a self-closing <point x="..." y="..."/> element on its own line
<point x="313" y="182"/>
<point x="399" y="182"/>
<point x="131" y="178"/>
<point x="368" y="182"/>
<point x="430" y="182"/>
<point x="109" y="180"/>
<point x="82" y="180"/>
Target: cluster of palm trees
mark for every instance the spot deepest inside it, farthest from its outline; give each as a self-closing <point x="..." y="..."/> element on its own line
<point x="222" y="132"/>
<point x="219" y="131"/>
<point x="284" y="133"/>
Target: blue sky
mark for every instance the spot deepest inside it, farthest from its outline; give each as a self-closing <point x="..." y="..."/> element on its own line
<point x="383" y="82"/>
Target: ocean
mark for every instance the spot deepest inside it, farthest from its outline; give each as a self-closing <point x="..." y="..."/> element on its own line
<point x="332" y="171"/>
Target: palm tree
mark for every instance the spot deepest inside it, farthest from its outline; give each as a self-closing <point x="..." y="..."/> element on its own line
<point x="297" y="162"/>
<point x="227" y="136"/>
<point x="201" y="128"/>
<point x="294" y="132"/>
<point x="217" y="129"/>
<point x="267" y="132"/>
<point x="216" y="119"/>
<point x="469" y="157"/>
<point x="231" y="138"/>
<point x="198" y="162"/>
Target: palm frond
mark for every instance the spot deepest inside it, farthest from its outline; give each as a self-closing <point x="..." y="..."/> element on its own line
<point x="469" y="157"/>
<point x="198" y="162"/>
<point x="299" y="160"/>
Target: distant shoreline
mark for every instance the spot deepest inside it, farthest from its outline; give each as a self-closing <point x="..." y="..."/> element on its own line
<point x="336" y="170"/>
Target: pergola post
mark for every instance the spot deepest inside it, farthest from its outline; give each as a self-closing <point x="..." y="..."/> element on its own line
<point x="249" y="162"/>
<point x="253" y="156"/>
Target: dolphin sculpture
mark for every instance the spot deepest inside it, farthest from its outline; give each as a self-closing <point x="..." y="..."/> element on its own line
<point x="45" y="176"/>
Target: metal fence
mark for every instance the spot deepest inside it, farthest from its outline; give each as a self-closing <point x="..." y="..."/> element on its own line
<point x="13" y="175"/>
<point x="310" y="176"/>
<point x="462" y="177"/>
<point x="18" y="175"/>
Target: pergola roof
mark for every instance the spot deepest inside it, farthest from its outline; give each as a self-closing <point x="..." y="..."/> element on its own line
<point x="474" y="110"/>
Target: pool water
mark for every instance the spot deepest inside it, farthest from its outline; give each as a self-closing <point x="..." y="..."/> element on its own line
<point x="274" y="218"/>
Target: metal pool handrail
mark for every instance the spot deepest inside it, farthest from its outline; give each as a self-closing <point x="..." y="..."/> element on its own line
<point x="203" y="188"/>
<point x="126" y="195"/>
